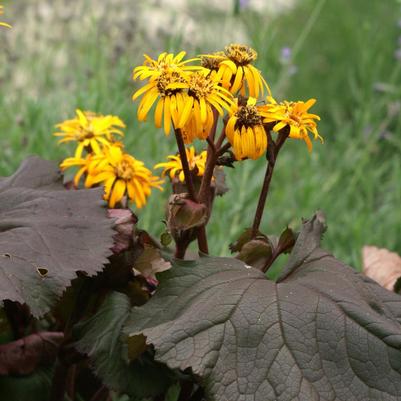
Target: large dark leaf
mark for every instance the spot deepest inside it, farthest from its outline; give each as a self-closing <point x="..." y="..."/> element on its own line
<point x="322" y="332"/>
<point x="47" y="234"/>
<point x="100" y="339"/>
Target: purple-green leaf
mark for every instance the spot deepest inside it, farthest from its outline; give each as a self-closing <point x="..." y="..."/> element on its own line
<point x="323" y="332"/>
<point x="47" y="234"/>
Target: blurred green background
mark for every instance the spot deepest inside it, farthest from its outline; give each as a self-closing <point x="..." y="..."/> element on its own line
<point x="64" y="54"/>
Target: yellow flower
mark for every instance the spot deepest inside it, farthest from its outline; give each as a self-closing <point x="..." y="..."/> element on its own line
<point x="204" y="94"/>
<point x="3" y="23"/>
<point x="121" y="174"/>
<point x="90" y="130"/>
<point x="169" y="87"/>
<point x="295" y="116"/>
<point x="245" y="131"/>
<point x="83" y="165"/>
<point x="174" y="166"/>
<point x="237" y="72"/>
<point x="166" y="62"/>
<point x="167" y="76"/>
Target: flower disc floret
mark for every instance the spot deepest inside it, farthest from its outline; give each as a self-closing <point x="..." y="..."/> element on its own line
<point x="174" y="167"/>
<point x="90" y="131"/>
<point x="237" y="73"/>
<point x="212" y="61"/>
<point x="122" y="175"/>
<point x="240" y="54"/>
<point x="245" y="130"/>
<point x="295" y="116"/>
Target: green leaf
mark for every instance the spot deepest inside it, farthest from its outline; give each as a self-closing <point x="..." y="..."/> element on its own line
<point x="47" y="234"/>
<point x="173" y="392"/>
<point x="322" y="332"/>
<point x="100" y="338"/>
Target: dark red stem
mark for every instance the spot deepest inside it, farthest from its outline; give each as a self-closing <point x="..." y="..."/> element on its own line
<point x="271" y="155"/>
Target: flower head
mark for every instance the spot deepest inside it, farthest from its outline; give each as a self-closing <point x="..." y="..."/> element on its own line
<point x="166" y="62"/>
<point x="169" y="88"/>
<point x="203" y="94"/>
<point x="121" y="174"/>
<point x="174" y="166"/>
<point x="167" y="82"/>
<point x="90" y="130"/>
<point x="237" y="72"/>
<point x="3" y="23"/>
<point x="294" y="115"/>
<point x="245" y="131"/>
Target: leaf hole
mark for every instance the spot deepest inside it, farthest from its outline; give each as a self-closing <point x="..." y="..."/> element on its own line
<point x="6" y="255"/>
<point x="42" y="271"/>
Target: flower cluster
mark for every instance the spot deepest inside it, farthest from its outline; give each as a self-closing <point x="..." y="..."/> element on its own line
<point x="190" y="95"/>
<point x="105" y="162"/>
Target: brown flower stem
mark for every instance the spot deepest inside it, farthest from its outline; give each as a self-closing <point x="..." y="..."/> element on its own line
<point x="262" y="198"/>
<point x="59" y="382"/>
<point x="212" y="153"/>
<point x="271" y="155"/>
<point x="185" y="166"/>
<point x="202" y="240"/>
<point x="221" y="137"/>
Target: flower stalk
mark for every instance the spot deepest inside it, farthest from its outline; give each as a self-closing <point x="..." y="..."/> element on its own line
<point x="202" y="239"/>
<point x="271" y="156"/>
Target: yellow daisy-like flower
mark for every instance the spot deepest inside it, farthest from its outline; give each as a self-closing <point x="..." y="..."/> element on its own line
<point x="174" y="166"/>
<point x="245" y="130"/>
<point x="121" y="174"/>
<point x="295" y="115"/>
<point x="166" y="62"/>
<point x="3" y="23"/>
<point x="169" y="88"/>
<point x="237" y="72"/>
<point x="167" y="82"/>
<point x="90" y="130"/>
<point x="204" y="94"/>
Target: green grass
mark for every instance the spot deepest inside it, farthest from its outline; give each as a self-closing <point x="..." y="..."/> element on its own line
<point x="344" y="54"/>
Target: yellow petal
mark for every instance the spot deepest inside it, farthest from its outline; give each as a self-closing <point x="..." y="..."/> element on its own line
<point x="238" y="80"/>
<point x="117" y="193"/>
<point x="159" y="113"/>
<point x="186" y="112"/>
<point x="167" y="115"/>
